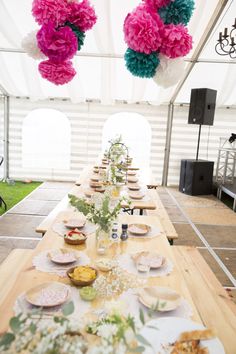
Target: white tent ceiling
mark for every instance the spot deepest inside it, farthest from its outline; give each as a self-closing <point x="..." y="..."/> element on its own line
<point x="100" y="66"/>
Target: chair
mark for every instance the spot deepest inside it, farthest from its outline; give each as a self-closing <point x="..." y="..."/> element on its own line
<point x="2" y="202"/>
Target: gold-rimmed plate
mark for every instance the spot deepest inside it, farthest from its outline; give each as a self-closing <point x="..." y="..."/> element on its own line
<point x="48" y="294"/>
<point x="153" y="259"/>
<point x="161" y="299"/>
<point x="139" y="229"/>
<point x="62" y="256"/>
<point x="73" y="223"/>
<point x="133" y="187"/>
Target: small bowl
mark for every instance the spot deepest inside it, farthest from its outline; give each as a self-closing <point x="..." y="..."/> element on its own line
<point x="139" y="229"/>
<point x="75" y="242"/>
<point x="79" y="282"/>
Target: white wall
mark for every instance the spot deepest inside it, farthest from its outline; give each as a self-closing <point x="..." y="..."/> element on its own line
<point x="184" y="138"/>
<point x="87" y="121"/>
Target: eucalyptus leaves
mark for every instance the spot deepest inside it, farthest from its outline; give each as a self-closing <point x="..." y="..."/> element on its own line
<point x="61" y="335"/>
<point x="102" y="210"/>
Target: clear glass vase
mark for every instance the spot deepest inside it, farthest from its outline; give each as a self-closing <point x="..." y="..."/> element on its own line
<point x="102" y="240"/>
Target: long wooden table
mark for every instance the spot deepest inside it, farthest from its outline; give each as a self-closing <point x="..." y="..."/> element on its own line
<point x="207" y="305"/>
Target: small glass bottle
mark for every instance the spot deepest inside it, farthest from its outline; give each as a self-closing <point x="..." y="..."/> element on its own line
<point x="124" y="233"/>
<point x="114" y="232"/>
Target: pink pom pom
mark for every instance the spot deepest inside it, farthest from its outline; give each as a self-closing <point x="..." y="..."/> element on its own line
<point x="82" y="15"/>
<point x="58" y="45"/>
<point x="176" y="41"/>
<point x="156" y="4"/>
<point x="55" y="11"/>
<point x="58" y="74"/>
<point x="143" y="30"/>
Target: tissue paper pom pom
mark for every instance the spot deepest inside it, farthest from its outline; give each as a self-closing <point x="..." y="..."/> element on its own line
<point x="179" y="11"/>
<point x="156" y="4"/>
<point x="79" y="34"/>
<point x="30" y="46"/>
<point x="58" y="45"/>
<point x="55" y="11"/>
<point x="169" y="71"/>
<point x="176" y="41"/>
<point x="143" y="30"/>
<point x="58" y="74"/>
<point x="82" y="15"/>
<point x="140" y="64"/>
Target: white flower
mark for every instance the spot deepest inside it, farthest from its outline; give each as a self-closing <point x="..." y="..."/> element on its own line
<point x="107" y="330"/>
<point x="30" y="46"/>
<point x="115" y="307"/>
<point x="129" y="336"/>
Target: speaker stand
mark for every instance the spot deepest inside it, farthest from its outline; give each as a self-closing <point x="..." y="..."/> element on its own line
<point x="198" y="141"/>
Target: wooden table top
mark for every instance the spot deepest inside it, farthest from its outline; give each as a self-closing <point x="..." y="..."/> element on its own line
<point x="223" y="322"/>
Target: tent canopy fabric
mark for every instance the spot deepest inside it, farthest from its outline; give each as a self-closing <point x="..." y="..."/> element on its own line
<point x="101" y="71"/>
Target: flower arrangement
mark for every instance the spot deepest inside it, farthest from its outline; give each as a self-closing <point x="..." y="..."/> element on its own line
<point x="31" y="333"/>
<point x="156" y="34"/>
<point x="102" y="210"/>
<point x="63" y="26"/>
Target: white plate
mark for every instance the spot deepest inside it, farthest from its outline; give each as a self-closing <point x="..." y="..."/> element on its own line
<point x="48" y="294"/>
<point x="168" y="331"/>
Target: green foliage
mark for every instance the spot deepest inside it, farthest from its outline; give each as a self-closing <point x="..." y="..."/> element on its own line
<point x="102" y="214"/>
<point x="13" y="194"/>
<point x="68" y="308"/>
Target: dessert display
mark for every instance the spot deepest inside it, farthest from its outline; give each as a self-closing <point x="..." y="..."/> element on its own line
<point x="153" y="259"/>
<point x="88" y="293"/>
<point x="190" y="342"/>
<point x="105" y="264"/>
<point x="75" y="223"/>
<point x="62" y="256"/>
<point x="159" y="298"/>
<point x="139" y="229"/>
<point x="48" y="294"/>
<point x="75" y="237"/>
<point x="82" y="275"/>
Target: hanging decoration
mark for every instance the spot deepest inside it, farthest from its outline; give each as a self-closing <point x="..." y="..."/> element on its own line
<point x="157" y="38"/>
<point x="62" y="33"/>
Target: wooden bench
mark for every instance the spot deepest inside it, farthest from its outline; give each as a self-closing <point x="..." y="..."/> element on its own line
<point x="11" y="268"/>
<point x="163" y="216"/>
<point x="198" y="275"/>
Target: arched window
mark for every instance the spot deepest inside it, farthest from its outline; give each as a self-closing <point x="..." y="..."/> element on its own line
<point x="136" y="134"/>
<point x="46" y="140"/>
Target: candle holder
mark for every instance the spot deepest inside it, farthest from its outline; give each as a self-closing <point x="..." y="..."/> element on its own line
<point x="226" y="44"/>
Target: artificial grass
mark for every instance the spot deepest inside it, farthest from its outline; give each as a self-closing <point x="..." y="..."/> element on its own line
<point x="13" y="194"/>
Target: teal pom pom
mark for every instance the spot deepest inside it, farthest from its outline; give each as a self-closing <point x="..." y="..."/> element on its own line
<point x="178" y="11"/>
<point x="141" y="64"/>
<point x="79" y="34"/>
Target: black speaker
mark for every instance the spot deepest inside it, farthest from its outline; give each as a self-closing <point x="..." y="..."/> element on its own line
<point x="202" y="106"/>
<point x="196" y="177"/>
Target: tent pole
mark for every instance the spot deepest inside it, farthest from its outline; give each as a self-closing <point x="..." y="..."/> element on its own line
<point x="168" y="143"/>
<point x="6" y="138"/>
